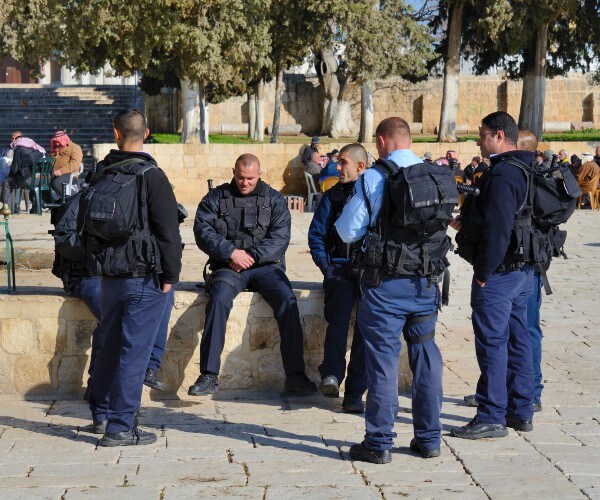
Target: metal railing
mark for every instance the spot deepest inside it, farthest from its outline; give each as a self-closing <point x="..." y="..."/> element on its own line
<point x="9" y="255"/>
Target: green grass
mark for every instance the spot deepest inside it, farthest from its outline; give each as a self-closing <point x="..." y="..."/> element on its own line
<point x="592" y="135"/>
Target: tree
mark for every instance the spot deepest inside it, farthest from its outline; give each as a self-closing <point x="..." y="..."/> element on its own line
<point x="375" y="39"/>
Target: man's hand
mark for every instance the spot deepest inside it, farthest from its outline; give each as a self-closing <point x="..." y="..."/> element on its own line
<point x="166" y="288"/>
<point x="241" y="260"/>
<point x="480" y="283"/>
<point x="456" y="223"/>
<point x="58" y="173"/>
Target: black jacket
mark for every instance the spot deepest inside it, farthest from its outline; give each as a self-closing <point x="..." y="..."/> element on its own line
<point x="270" y="250"/>
<point x="503" y="188"/>
<point x="23" y="159"/>
<point x="162" y="213"/>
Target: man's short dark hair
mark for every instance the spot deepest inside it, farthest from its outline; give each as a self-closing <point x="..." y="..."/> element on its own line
<point x="501" y="120"/>
<point x="393" y="127"/>
<point x="357" y="152"/>
<point x="131" y="123"/>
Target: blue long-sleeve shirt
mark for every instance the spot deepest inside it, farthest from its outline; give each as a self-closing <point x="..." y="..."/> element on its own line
<point x="354" y="221"/>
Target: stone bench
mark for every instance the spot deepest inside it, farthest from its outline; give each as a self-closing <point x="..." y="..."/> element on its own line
<point x="45" y="341"/>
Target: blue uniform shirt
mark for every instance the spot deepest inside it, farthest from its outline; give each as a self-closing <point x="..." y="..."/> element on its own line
<point x="354" y="221"/>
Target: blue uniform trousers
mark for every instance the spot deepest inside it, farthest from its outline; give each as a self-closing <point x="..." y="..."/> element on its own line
<point x="272" y="283"/>
<point x="382" y="318"/>
<point x="534" y="303"/>
<point x="88" y="290"/>
<point x="340" y="295"/>
<point x="503" y="347"/>
<point x="131" y="312"/>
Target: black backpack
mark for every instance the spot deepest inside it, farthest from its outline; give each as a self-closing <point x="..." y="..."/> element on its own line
<point x="110" y="207"/>
<point x="553" y="194"/>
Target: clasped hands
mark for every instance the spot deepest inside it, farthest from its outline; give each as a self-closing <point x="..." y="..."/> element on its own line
<point x="240" y="260"/>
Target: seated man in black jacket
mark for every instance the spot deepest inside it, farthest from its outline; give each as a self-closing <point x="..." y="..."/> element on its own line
<point x="25" y="153"/>
<point x="244" y="227"/>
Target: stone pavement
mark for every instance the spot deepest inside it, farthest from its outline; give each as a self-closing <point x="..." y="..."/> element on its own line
<point x="260" y="445"/>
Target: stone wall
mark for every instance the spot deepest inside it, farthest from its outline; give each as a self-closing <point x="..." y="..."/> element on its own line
<point x="188" y="166"/>
<point x="568" y="99"/>
<point x="45" y="342"/>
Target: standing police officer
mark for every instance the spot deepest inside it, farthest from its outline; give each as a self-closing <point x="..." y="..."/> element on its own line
<point x="410" y="204"/>
<point x="244" y="227"/>
<point x="132" y="296"/>
<point x="493" y="236"/>
<point x="334" y="259"/>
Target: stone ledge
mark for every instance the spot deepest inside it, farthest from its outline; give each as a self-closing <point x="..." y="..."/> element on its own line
<point x="45" y="342"/>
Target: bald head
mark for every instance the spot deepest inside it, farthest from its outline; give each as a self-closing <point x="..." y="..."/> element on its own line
<point x="246" y="173"/>
<point x="392" y="134"/>
<point x="527" y="141"/>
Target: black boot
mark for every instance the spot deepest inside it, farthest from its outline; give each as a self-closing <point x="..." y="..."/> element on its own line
<point x="299" y="384"/>
<point x="135" y="436"/>
<point x="207" y="383"/>
<point x="353" y="403"/>
<point x="361" y="453"/>
<point x="152" y="380"/>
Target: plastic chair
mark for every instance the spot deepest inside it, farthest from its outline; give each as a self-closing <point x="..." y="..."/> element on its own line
<point x="313" y="195"/>
<point x="72" y="187"/>
<point x="328" y="183"/>
<point x="41" y="177"/>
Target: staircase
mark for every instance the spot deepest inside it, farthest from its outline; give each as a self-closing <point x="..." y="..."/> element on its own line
<point x="84" y="112"/>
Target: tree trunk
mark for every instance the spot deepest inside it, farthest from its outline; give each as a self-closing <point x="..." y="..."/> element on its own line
<point x="191" y="113"/>
<point x="203" y="115"/>
<point x="531" y="114"/>
<point x="366" y="113"/>
<point x="259" y="95"/>
<point x="277" y="110"/>
<point x="251" y="116"/>
<point x="447" y="127"/>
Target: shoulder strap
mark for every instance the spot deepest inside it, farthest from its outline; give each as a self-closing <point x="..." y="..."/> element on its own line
<point x="528" y="172"/>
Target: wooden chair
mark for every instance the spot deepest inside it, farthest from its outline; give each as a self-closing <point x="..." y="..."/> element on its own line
<point x="476" y="177"/>
<point x="328" y="183"/>
<point x="590" y="189"/>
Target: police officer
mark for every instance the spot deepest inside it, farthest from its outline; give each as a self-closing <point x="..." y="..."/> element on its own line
<point x="334" y="259"/>
<point x="132" y="297"/>
<point x="244" y="227"/>
<point x="493" y="233"/>
<point x="402" y="208"/>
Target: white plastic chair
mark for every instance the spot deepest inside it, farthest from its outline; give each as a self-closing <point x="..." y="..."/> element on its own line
<point x="72" y="188"/>
<point x="313" y="194"/>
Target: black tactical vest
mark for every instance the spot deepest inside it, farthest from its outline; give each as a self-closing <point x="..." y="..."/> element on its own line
<point x="416" y="210"/>
<point x="244" y="220"/>
<point x="338" y="195"/>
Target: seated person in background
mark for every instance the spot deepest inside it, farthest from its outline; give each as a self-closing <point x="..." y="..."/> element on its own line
<point x="563" y="157"/>
<point x="597" y="156"/>
<point x="68" y="157"/>
<point x="428" y="158"/>
<point x="471" y="167"/>
<point x="244" y="227"/>
<point x="586" y="174"/>
<point x="25" y="153"/>
<point x="307" y="154"/>
<point x="330" y="169"/>
<point x="313" y="167"/>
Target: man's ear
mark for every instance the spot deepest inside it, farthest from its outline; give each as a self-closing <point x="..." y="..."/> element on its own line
<point x="116" y="134"/>
<point x="361" y="166"/>
<point x="146" y="133"/>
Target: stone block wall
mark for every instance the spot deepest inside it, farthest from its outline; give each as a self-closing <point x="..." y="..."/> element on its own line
<point x="568" y="99"/>
<point x="45" y="342"/>
<point x="189" y="166"/>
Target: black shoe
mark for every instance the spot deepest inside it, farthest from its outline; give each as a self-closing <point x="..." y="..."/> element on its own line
<point x="470" y="400"/>
<point x="152" y="380"/>
<point x="362" y="454"/>
<point x="128" y="438"/>
<point x="329" y="387"/>
<point x="96" y="427"/>
<point x="537" y="407"/>
<point x="425" y="453"/>
<point x="353" y="403"/>
<point x="207" y="383"/>
<point x="299" y="384"/>
<point x="478" y="430"/>
<point x="519" y="425"/>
